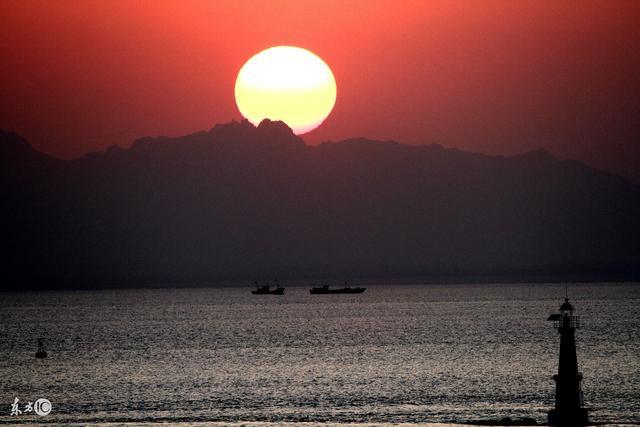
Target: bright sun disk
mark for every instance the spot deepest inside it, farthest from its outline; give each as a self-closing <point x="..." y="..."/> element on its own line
<point x="286" y="83"/>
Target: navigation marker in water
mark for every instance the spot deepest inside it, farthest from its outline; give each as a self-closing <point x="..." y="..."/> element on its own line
<point x="569" y="409"/>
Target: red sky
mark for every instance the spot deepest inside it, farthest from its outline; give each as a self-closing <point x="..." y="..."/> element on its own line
<point x="498" y="77"/>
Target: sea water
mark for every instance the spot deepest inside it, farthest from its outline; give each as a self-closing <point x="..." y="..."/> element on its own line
<point x="394" y="354"/>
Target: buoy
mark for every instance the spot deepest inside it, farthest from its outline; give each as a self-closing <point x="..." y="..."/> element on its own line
<point x="40" y="354"/>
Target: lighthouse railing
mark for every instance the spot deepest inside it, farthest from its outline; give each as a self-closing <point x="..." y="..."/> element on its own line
<point x="560" y="321"/>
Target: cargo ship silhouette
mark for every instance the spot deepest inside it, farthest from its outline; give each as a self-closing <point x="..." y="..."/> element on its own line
<point x="346" y="290"/>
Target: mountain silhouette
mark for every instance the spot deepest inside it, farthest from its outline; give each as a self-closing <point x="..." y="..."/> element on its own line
<point x="240" y="202"/>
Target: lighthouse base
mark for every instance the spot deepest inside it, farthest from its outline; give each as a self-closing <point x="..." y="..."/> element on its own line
<point x="577" y="417"/>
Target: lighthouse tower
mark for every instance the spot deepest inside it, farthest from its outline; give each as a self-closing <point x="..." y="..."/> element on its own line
<point x="569" y="409"/>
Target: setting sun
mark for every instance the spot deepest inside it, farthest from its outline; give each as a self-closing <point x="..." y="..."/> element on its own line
<point x="286" y="83"/>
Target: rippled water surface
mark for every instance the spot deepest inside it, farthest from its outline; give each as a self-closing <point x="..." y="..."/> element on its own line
<point x="397" y="353"/>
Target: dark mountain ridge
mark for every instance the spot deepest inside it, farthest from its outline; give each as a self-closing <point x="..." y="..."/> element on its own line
<point x="243" y="202"/>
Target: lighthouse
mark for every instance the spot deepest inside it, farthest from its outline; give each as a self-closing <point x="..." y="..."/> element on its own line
<point x="568" y="409"/>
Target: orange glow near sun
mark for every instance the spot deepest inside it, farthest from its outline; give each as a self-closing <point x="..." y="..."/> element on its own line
<point x="286" y="83"/>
